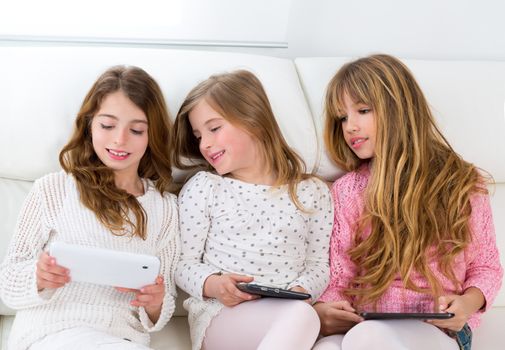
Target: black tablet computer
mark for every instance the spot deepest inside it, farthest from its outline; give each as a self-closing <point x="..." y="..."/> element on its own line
<point x="406" y="315"/>
<point x="271" y="292"/>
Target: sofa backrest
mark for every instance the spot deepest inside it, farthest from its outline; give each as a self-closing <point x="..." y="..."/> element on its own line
<point x="468" y="101"/>
<point x="41" y="90"/>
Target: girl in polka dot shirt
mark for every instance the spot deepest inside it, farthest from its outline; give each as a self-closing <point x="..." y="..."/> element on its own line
<point x="253" y="216"/>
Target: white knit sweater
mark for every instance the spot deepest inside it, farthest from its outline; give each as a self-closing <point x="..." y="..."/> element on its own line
<point x="53" y="212"/>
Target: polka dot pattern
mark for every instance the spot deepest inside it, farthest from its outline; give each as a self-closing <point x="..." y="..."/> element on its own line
<point x="231" y="226"/>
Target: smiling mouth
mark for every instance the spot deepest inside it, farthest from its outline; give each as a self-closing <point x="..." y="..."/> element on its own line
<point x="358" y="142"/>
<point x="118" y="154"/>
<point x="216" y="155"/>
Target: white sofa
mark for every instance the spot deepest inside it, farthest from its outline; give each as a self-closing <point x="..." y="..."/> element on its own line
<point x="41" y="89"/>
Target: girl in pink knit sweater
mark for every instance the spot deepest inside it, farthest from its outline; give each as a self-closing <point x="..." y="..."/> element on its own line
<point x="413" y="228"/>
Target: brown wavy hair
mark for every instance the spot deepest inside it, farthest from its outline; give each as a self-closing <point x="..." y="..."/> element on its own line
<point x="417" y="201"/>
<point x="95" y="181"/>
<point x="241" y="99"/>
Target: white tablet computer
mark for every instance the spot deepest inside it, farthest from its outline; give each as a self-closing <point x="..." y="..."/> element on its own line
<point x="105" y="266"/>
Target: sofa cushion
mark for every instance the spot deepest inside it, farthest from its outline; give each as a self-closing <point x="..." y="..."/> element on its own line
<point x="42" y="88"/>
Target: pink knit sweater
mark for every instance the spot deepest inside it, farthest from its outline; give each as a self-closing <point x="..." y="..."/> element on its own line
<point x="479" y="266"/>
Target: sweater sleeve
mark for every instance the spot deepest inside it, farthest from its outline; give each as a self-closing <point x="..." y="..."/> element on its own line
<point x="315" y="276"/>
<point x="195" y="201"/>
<point x="484" y="270"/>
<point x="346" y="212"/>
<point x="168" y="253"/>
<point x="18" y="282"/>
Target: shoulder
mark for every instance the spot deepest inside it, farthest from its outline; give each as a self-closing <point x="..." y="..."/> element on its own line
<point x="152" y="191"/>
<point x="314" y="185"/>
<point x="202" y="182"/>
<point x="480" y="201"/>
<point x="53" y="182"/>
<point x="351" y="184"/>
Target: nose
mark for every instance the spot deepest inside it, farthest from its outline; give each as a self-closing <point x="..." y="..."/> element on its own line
<point x="121" y="136"/>
<point x="205" y="142"/>
<point x="351" y="125"/>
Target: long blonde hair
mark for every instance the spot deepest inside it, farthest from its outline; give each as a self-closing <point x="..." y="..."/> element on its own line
<point x="240" y="98"/>
<point x="95" y="181"/>
<point x="417" y="201"/>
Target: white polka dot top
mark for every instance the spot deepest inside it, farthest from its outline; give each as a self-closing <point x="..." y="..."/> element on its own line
<point x="231" y="226"/>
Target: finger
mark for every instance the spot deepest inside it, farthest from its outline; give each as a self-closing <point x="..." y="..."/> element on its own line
<point x="345" y="315"/>
<point x="58" y="270"/>
<point x="49" y="263"/>
<point x="45" y="258"/>
<point x="52" y="267"/>
<point x="50" y="285"/>
<point x="241" y="278"/>
<point x="44" y="283"/>
<point x="342" y="305"/>
<point x="236" y="301"/>
<point x="144" y="298"/>
<point x="238" y="294"/>
<point x="45" y="264"/>
<point x="445" y="301"/>
<point x="126" y="290"/>
<point x="299" y="289"/>
<point x="50" y="277"/>
<point x="153" y="289"/>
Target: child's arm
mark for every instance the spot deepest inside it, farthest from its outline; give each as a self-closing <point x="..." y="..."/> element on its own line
<point x="334" y="308"/>
<point x="314" y="277"/>
<point x="342" y="270"/>
<point x="336" y="317"/>
<point x="19" y="281"/>
<point x="199" y="279"/>
<point x="484" y="272"/>
<point x="157" y="301"/>
<point x="462" y="306"/>
<point x="195" y="201"/>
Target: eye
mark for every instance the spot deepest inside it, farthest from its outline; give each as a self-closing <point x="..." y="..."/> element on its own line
<point x="137" y="132"/>
<point x="364" y="110"/>
<point x="106" y="127"/>
<point x="215" y="129"/>
<point x="342" y="118"/>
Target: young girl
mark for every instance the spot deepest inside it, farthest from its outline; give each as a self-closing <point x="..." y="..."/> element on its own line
<point x="413" y="228"/>
<point x="255" y="218"/>
<point x="111" y="194"/>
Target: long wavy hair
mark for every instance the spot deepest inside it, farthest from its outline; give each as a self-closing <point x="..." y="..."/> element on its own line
<point x="240" y="98"/>
<point x="95" y="181"/>
<point x="417" y="200"/>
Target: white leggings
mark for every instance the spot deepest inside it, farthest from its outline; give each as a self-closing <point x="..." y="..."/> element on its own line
<point x="84" y="338"/>
<point x="391" y="335"/>
<point x="266" y="324"/>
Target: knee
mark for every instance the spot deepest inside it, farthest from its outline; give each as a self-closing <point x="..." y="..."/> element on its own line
<point x="305" y="313"/>
<point x="367" y="335"/>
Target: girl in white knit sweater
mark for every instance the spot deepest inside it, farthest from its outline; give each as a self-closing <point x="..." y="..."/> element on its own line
<point x="254" y="217"/>
<point x="112" y="194"/>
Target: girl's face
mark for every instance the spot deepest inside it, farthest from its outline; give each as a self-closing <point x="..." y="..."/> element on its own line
<point x="227" y="148"/>
<point x="358" y="127"/>
<point x="119" y="134"/>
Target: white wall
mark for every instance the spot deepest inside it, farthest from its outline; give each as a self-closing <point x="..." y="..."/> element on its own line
<point x="430" y="29"/>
